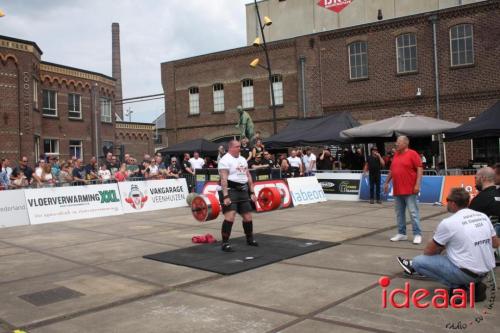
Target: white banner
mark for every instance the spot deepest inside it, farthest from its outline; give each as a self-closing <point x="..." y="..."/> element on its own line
<point x="305" y="190"/>
<point x="340" y="186"/>
<point x="57" y="204"/>
<point x="13" y="209"/>
<point x="151" y="195"/>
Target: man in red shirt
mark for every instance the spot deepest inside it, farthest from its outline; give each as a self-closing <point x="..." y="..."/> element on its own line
<point x="406" y="175"/>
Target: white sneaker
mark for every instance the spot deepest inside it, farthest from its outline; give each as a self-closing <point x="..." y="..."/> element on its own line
<point x="417" y="239"/>
<point x="399" y="237"/>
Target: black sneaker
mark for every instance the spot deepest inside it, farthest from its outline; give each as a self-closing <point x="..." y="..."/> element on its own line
<point x="251" y="242"/>
<point x="406" y="265"/>
<point x="480" y="292"/>
<point x="379" y="202"/>
<point x="372" y="201"/>
<point x="226" y="247"/>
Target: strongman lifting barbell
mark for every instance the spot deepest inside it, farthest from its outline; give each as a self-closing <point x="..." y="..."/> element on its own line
<point x="207" y="207"/>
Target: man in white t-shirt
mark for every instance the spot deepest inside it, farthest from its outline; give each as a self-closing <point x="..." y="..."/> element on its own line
<point x="309" y="160"/>
<point x="295" y="164"/>
<point x="236" y="183"/>
<point x="469" y="239"/>
<point x="196" y="161"/>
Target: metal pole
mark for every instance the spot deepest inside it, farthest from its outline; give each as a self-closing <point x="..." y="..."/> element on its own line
<point x="302" y="60"/>
<point x="434" y="19"/>
<point x="275" y="129"/>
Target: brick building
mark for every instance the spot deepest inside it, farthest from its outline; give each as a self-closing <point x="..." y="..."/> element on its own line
<point x="52" y="109"/>
<point x="374" y="71"/>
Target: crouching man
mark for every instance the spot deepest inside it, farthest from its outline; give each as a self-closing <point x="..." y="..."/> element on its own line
<point x="469" y="238"/>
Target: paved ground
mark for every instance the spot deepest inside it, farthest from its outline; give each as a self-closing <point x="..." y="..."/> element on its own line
<point x="115" y="290"/>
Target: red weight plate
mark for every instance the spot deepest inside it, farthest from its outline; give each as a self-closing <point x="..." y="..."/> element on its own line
<point x="269" y="198"/>
<point x="214" y="207"/>
<point x="199" y="208"/>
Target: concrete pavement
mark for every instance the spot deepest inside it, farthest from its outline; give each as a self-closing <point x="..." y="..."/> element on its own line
<point x="89" y="276"/>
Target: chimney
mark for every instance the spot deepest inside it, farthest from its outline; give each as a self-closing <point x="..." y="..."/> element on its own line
<point x="117" y="67"/>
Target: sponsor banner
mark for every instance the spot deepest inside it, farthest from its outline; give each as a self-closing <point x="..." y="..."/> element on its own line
<point x="340" y="186"/>
<point x="467" y="182"/>
<point x="143" y="196"/>
<point x="281" y="185"/>
<point x="211" y="188"/>
<point x="13" y="210"/>
<point x="46" y="205"/>
<point x="305" y="190"/>
<point x="430" y="189"/>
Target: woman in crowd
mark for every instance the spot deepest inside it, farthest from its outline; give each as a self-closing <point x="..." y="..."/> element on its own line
<point x="122" y="174"/>
<point x="258" y="149"/>
<point x="104" y="173"/>
<point x="64" y="176"/>
<point x="4" y="179"/>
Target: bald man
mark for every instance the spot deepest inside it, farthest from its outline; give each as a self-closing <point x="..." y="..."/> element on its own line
<point x="488" y="199"/>
<point x="497" y="174"/>
<point x="406" y="175"/>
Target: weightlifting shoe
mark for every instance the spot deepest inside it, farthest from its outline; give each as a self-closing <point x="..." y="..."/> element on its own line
<point x="226" y="247"/>
<point x="251" y="242"/>
<point x="399" y="237"/>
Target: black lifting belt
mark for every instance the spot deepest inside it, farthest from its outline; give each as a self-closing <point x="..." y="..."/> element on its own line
<point x="237" y="186"/>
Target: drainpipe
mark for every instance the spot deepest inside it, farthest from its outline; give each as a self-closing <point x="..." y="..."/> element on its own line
<point x="96" y="119"/>
<point x="302" y="61"/>
<point x="433" y="19"/>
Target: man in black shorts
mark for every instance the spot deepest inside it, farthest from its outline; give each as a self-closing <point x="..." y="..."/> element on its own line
<point x="236" y="183"/>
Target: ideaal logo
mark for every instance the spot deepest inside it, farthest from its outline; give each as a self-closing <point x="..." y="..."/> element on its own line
<point x="441" y="299"/>
<point x="136" y="198"/>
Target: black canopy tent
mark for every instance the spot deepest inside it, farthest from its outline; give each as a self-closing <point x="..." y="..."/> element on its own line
<point x="202" y="146"/>
<point x="487" y="124"/>
<point x="315" y="131"/>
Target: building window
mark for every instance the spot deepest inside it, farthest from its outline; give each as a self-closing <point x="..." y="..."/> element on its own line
<point x="50" y="147"/>
<point x="35" y="94"/>
<point x="486" y="150"/>
<point x="194" y="101"/>
<point x="461" y="45"/>
<point x="278" y="89"/>
<point x="358" y="60"/>
<point x="247" y="94"/>
<point x="218" y="97"/>
<point x="406" y="46"/>
<point x="158" y="139"/>
<point x="76" y="149"/>
<point x="106" y="110"/>
<point x="74" y="106"/>
<point x="49" y="103"/>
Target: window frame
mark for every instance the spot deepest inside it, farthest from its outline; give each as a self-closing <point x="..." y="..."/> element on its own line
<point x="105" y="118"/>
<point x="53" y="151"/>
<point x="79" y="106"/>
<point x="55" y="115"/>
<point x="281" y="90"/>
<point x="398" y="69"/>
<point x="465" y="49"/>
<point x="72" y="145"/>
<point x="218" y="97"/>
<point x="194" y="101"/>
<point x="361" y="42"/>
<point x="246" y="102"/>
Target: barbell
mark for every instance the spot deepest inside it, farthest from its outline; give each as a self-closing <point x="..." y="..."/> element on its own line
<point x="207" y="207"/>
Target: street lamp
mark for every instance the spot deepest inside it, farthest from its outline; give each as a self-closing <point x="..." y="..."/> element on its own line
<point x="257" y="43"/>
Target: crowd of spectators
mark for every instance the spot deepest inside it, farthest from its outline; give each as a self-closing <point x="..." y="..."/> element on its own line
<point x="50" y="171"/>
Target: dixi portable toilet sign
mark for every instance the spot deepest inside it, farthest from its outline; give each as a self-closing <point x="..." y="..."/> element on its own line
<point x="335" y="5"/>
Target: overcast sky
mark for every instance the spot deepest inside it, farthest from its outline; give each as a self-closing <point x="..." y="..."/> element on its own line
<point x="77" y="33"/>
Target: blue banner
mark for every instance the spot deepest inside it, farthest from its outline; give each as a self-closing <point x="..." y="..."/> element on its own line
<point x="430" y="189"/>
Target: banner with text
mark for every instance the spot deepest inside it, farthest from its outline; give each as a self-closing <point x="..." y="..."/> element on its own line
<point x="151" y="195"/>
<point x="46" y="205"/>
<point x="340" y="186"/>
<point x="13" y="210"/>
<point x="467" y="182"/>
<point x="305" y="190"/>
<point x="430" y="189"/>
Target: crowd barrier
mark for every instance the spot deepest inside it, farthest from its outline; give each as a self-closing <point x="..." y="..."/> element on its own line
<point x="56" y="204"/>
